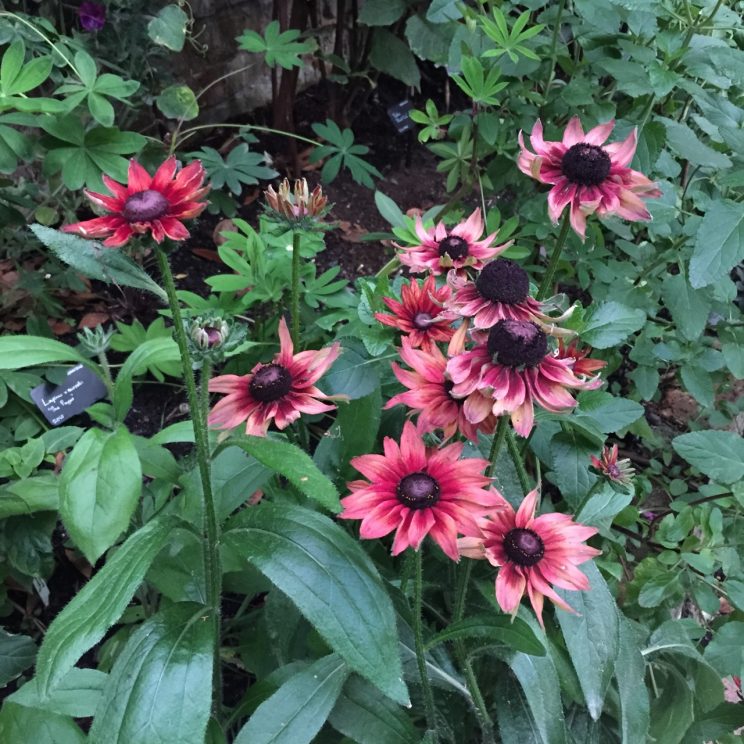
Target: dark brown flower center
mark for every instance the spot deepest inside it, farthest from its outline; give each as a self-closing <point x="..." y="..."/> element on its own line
<point x="523" y="547"/>
<point x="270" y="383"/>
<point x="454" y="246"/>
<point x="503" y="280"/>
<point x="418" y="491"/>
<point x="585" y="164"/>
<point x="422" y="321"/>
<point x="145" y="206"/>
<point x="516" y="343"/>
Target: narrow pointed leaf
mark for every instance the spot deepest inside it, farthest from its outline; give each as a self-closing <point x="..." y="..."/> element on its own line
<point x="17" y="352"/>
<point x="496" y="629"/>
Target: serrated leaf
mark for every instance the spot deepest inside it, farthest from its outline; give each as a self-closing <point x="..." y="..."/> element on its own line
<point x="602" y="506"/>
<point x="717" y="454"/>
<point x="160" y="688"/>
<point x="570" y="471"/>
<point x="719" y="245"/>
<point x="689" y="307"/>
<point x="630" y="672"/>
<point x="17" y="653"/>
<point x="610" y="323"/>
<point x="332" y="582"/>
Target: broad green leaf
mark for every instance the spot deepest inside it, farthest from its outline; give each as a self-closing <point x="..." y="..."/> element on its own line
<point x="178" y="102"/>
<point x="601" y="507"/>
<point x="609" y="412"/>
<point x="17" y="653"/>
<point x="93" y="260"/>
<point x="381" y="12"/>
<point x="570" y="468"/>
<point x="672" y="712"/>
<point x="332" y="581"/>
<point x="684" y="142"/>
<point x="352" y="375"/>
<point x="98" y="605"/>
<point x="717" y="454"/>
<point x="160" y="688"/>
<point x="168" y="28"/>
<point x="716" y="724"/>
<point x="278" y="47"/>
<point x="497" y="629"/>
<point x="516" y="723"/>
<point x="698" y="382"/>
<point x="432" y="43"/>
<point x="630" y="671"/>
<point x="719" y="245"/>
<point x="295" y="465"/>
<point x="21" y="725"/>
<point x="390" y="211"/>
<point x="367" y="717"/>
<point x="725" y="650"/>
<point x="441" y="11"/>
<point x="99" y="489"/>
<point x="17" y="352"/>
<point x="28" y="495"/>
<point x="689" y="307"/>
<point x="298" y="709"/>
<point x="591" y="636"/>
<point x="610" y="323"/>
<point x="393" y="57"/>
<point x="77" y="694"/>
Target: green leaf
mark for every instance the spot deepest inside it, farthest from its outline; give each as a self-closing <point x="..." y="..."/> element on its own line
<point x="441" y="11"/>
<point x="367" y="717"/>
<point x="160" y="688"/>
<point x="279" y="47"/>
<point x="381" y="12"/>
<point x="178" y="102"/>
<point x="672" y="712"/>
<point x="17" y="352"/>
<point x="609" y="413"/>
<point x="689" y="307"/>
<point x="298" y="709"/>
<point x="602" y="506"/>
<point x="389" y="210"/>
<point x="92" y="259"/>
<point x="514" y="718"/>
<point x="393" y="57"/>
<point x="352" y="375"/>
<point x="28" y="495"/>
<point x="496" y="629"/>
<point x="570" y="469"/>
<point x="725" y="651"/>
<point x="17" y="653"/>
<point x="332" y="581"/>
<point x="98" y="605"/>
<point x="77" y="694"/>
<point x="20" y="725"/>
<point x="684" y="142"/>
<point x="240" y="167"/>
<point x="99" y="489"/>
<point x="591" y="637"/>
<point x="698" y="382"/>
<point x="295" y="465"/>
<point x="717" y="454"/>
<point x="610" y="323"/>
<point x="630" y="672"/>
<point x="168" y="28"/>
<point x="719" y="245"/>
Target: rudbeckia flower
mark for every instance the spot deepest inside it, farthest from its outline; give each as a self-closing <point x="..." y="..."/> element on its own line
<point x="155" y="204"/>
<point x="417" y="314"/>
<point x="500" y="292"/>
<point x="583" y="366"/>
<point x="441" y="250"/>
<point x="531" y="553"/>
<point x="429" y="394"/>
<point x="514" y="368"/>
<point x="419" y="491"/>
<point x="587" y="175"/>
<point x="279" y="391"/>
<point x="617" y="471"/>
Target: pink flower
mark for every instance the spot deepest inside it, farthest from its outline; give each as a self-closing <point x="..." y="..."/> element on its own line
<point x="441" y="250"/>
<point x="515" y="369"/>
<point x="531" y="553"/>
<point x="587" y="174"/>
<point x="419" y="491"/>
<point x="617" y="471"/>
<point x="418" y="313"/>
<point x="582" y="365"/>
<point x="429" y="394"/>
<point x="499" y="292"/>
<point x="147" y="203"/>
<point x="279" y="391"/>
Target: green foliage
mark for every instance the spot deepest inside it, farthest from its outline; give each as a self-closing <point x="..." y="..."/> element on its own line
<point x="241" y="167"/>
<point x="342" y="153"/>
<point x="280" y="48"/>
<point x="509" y="41"/>
<point x="168" y="27"/>
<point x="178" y="102"/>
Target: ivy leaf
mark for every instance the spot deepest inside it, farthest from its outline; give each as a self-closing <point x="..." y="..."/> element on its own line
<point x="278" y="47"/>
<point x="240" y="167"/>
<point x="342" y="152"/>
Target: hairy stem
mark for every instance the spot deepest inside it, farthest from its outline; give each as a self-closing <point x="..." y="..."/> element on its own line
<point x="516" y="456"/>
<point x="553" y="50"/>
<point x="295" y="302"/>
<point x="547" y="281"/>
<point x="431" y="720"/>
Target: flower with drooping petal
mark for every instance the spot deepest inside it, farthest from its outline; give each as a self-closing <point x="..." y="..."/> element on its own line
<point x="500" y="292"/>
<point x="617" y="471"/>
<point x="301" y="208"/>
<point x="441" y="250"/>
<point x="429" y="394"/>
<point x="155" y="204"/>
<point x="279" y="391"/>
<point x="419" y="491"/>
<point x="418" y="313"/>
<point x="587" y="175"/>
<point x="531" y="553"/>
<point x="582" y="365"/>
<point x="514" y="368"/>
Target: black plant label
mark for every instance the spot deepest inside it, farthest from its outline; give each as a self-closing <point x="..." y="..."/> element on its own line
<point x="399" y="115"/>
<point x="81" y="389"/>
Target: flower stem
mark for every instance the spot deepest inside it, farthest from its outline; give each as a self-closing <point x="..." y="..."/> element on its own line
<point x="498" y="441"/>
<point x="295" y="306"/>
<point x="431" y="720"/>
<point x="553" y="50"/>
<point x="547" y="282"/>
<point x="106" y="368"/>
<point x="206" y="373"/>
<point x="211" y="556"/>
<point x="516" y="456"/>
<point x="388" y="268"/>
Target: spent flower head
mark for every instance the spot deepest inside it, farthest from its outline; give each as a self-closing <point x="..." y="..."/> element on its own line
<point x="616" y="471"/>
<point x="298" y="207"/>
<point x="211" y="337"/>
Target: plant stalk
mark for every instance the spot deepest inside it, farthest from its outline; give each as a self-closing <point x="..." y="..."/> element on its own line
<point x="547" y="281"/>
<point x="295" y="299"/>
<point x="211" y="557"/>
<point x="498" y="441"/>
<point x="516" y="456"/>
<point x="431" y="720"/>
<point x="554" y="50"/>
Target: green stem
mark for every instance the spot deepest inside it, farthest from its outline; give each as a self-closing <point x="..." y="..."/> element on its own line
<point x="295" y="306"/>
<point x="211" y="556"/>
<point x="498" y="441"/>
<point x="553" y="50"/>
<point x="206" y="373"/>
<point x="547" y="282"/>
<point x="388" y="268"/>
<point x="106" y="369"/>
<point x="516" y="456"/>
<point x="431" y="720"/>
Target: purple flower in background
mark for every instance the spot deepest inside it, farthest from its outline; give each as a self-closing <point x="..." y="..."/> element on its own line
<point x="92" y="16"/>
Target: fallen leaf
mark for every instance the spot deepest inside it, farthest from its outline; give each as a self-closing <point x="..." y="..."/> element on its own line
<point x="91" y="320"/>
<point x="353" y="233"/>
<point x="59" y="327"/>
<point x="219" y="228"/>
<point x="207" y="254"/>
